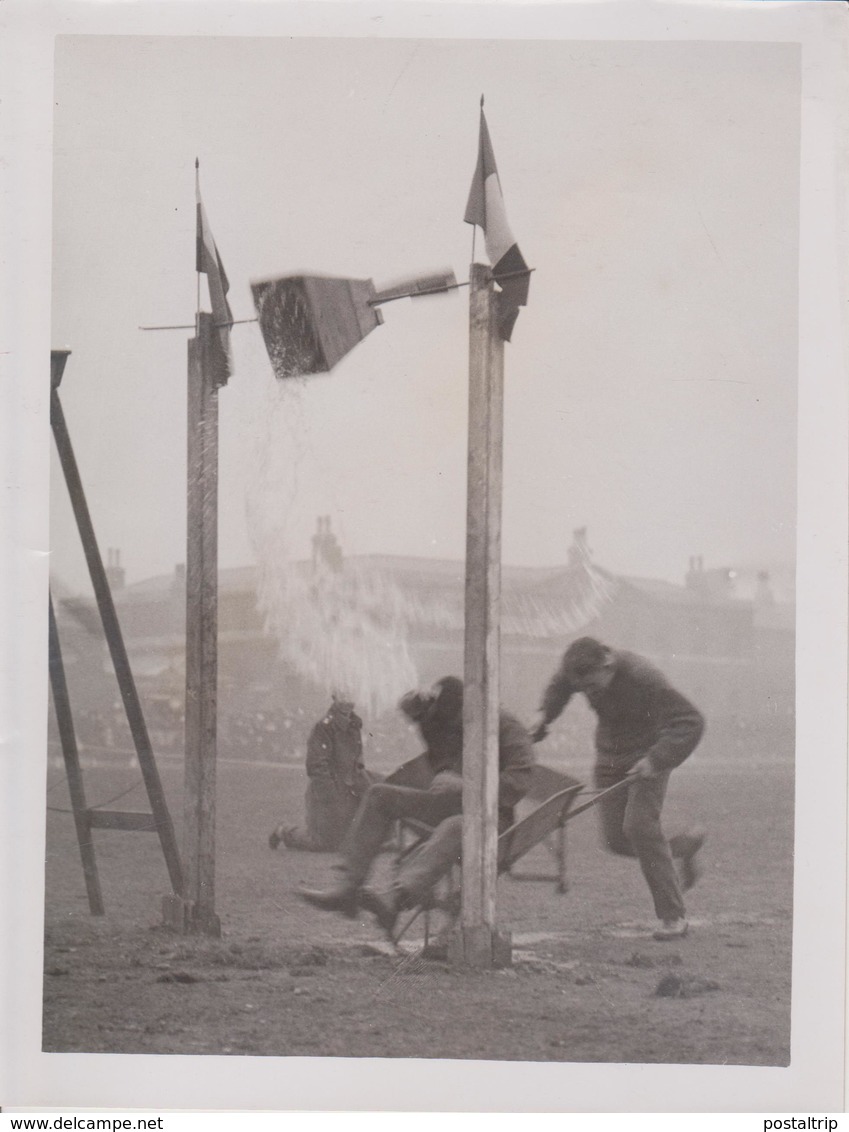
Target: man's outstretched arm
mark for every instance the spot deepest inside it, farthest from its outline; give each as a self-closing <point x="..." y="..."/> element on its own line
<point x="554" y="699"/>
<point x="515" y="761"/>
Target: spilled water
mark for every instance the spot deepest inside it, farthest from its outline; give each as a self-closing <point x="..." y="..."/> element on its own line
<point x="345" y="630"/>
<point x="347" y="626"/>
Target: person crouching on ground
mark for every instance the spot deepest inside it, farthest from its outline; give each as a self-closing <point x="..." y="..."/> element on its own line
<point x="337" y="782"/>
<point x="439" y="716"/>
<point x="645" y="728"/>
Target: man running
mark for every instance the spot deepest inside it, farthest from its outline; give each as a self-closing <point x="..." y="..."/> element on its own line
<point x="646" y="728"/>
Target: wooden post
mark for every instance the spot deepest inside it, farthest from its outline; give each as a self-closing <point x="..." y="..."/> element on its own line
<point x="195" y="912"/>
<point x="478" y="943"/>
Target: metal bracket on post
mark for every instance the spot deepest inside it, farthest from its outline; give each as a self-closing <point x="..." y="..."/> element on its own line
<point x="478" y="943"/>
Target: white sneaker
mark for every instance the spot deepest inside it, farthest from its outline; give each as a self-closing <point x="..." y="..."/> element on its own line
<point x="671" y="929"/>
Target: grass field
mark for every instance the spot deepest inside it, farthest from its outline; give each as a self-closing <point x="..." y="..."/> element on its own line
<point x="286" y="979"/>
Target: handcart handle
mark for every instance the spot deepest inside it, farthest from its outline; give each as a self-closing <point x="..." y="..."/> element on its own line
<point x="626" y="781"/>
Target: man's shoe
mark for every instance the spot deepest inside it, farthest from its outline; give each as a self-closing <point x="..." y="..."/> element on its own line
<point x="384" y="906"/>
<point x="343" y="900"/>
<point x="671" y="929"/>
<point x="689" y="866"/>
<point x="275" y="837"/>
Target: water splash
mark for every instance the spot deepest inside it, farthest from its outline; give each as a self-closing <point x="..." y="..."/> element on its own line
<point x="347" y="625"/>
<point x="341" y="626"/>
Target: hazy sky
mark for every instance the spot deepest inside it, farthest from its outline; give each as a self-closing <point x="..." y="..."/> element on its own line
<point x="651" y="381"/>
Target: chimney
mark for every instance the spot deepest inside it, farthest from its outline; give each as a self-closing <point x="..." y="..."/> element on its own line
<point x="115" y="574"/>
<point x="695" y="579"/>
<point x="326" y="551"/>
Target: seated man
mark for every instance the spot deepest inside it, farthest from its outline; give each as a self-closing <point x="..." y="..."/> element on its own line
<point x="337" y="782"/>
<point x="439" y="715"/>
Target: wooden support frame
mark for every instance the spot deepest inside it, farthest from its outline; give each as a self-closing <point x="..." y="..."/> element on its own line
<point x="159" y="820"/>
<point x="73" y="770"/>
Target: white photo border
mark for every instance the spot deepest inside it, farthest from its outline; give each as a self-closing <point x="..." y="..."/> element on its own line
<point x="814" y="1080"/>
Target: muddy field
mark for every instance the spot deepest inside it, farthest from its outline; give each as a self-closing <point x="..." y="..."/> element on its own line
<point x="587" y="983"/>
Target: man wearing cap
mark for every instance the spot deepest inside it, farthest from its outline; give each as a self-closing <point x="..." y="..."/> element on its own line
<point x="439" y="716"/>
<point x="645" y="729"/>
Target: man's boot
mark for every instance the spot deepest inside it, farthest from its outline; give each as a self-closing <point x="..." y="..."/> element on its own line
<point x="344" y="898"/>
<point x="384" y="906"/>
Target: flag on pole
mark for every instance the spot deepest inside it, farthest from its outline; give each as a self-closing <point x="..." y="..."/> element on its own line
<point x="485" y="208"/>
<point x="209" y="262"/>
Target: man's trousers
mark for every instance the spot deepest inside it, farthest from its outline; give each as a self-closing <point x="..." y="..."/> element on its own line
<point x="630" y="827"/>
<point x="382" y="806"/>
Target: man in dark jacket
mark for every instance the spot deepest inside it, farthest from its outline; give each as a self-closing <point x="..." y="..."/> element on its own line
<point x="645" y="729"/>
<point x="337" y="782"/>
<point x="439" y="715"/>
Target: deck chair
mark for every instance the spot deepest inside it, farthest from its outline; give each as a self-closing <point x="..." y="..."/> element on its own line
<point x="545" y="821"/>
<point x="545" y="784"/>
<point x="546" y="824"/>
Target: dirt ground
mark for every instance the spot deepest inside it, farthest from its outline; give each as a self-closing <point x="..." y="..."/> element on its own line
<point x="587" y="983"/>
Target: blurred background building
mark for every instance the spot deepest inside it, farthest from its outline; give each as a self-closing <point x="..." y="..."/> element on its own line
<point x="725" y="636"/>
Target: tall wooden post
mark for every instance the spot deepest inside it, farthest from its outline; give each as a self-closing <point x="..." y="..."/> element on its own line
<point x="195" y="911"/>
<point x="478" y="942"/>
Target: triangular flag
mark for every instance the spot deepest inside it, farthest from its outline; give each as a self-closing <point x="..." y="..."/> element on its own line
<point x="485" y="208"/>
<point x="209" y="262"/>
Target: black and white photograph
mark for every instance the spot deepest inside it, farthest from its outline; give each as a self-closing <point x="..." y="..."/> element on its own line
<point x="441" y="628"/>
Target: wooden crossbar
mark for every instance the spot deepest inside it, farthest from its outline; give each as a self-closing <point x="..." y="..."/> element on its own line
<point x="122" y="819"/>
